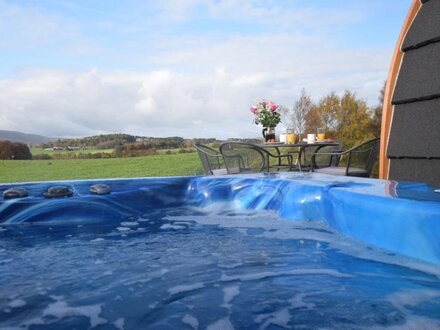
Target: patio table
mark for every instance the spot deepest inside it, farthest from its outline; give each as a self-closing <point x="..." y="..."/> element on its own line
<point x="301" y="146"/>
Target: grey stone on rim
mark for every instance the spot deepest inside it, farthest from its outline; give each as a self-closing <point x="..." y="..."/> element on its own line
<point x="16" y="192"/>
<point x="58" y="192"/>
<point x="100" y="189"/>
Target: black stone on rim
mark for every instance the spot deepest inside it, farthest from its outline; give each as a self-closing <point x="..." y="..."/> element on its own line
<point x="58" y="192"/>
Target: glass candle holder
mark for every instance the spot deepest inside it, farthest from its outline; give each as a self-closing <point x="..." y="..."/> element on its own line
<point x="290" y="136"/>
<point x="320" y="135"/>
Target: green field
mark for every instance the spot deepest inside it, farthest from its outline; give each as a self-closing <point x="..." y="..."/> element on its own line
<point x="38" y="151"/>
<point x="66" y="169"/>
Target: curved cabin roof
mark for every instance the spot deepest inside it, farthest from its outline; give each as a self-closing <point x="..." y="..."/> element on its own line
<point x="410" y="147"/>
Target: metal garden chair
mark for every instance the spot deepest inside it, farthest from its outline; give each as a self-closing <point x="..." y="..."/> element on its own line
<point x="240" y="157"/>
<point x="323" y="160"/>
<point x="358" y="161"/>
<point x="211" y="159"/>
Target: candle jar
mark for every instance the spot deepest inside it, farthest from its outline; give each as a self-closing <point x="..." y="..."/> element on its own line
<point x="290" y="136"/>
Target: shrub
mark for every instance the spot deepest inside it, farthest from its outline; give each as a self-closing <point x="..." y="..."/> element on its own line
<point x="134" y="150"/>
<point x="11" y="150"/>
<point x="42" y="157"/>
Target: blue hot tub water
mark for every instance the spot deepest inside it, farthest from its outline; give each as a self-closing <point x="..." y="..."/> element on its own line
<point x="268" y="252"/>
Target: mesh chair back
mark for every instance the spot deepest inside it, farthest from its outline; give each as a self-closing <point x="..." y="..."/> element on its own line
<point x="320" y="160"/>
<point x="364" y="156"/>
<point x="243" y="157"/>
<point x="211" y="159"/>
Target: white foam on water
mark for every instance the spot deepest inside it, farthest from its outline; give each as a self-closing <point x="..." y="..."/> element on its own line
<point x="60" y="309"/>
<point x="297" y="302"/>
<point x="119" y="323"/>
<point x="181" y="223"/>
<point x="153" y="305"/>
<point x="278" y="228"/>
<point x="415" y="322"/>
<point x="2" y="229"/>
<point x="191" y="321"/>
<point x="171" y="226"/>
<point x="129" y="224"/>
<point x="407" y="300"/>
<point x="160" y="272"/>
<point x="6" y="261"/>
<point x="222" y="324"/>
<point x="230" y="293"/>
<point x="263" y="275"/>
<point x="123" y="229"/>
<point x="97" y="240"/>
<point x="17" y="303"/>
<point x="185" y="288"/>
<point x="279" y="318"/>
<point x="231" y="265"/>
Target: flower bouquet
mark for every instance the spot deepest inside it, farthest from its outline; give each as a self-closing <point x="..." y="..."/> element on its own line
<point x="266" y="114"/>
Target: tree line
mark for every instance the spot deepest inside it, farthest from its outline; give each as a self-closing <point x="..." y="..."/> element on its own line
<point x="111" y="141"/>
<point x="346" y="118"/>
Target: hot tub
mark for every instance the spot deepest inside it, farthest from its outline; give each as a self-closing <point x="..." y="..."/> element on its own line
<point x="288" y="250"/>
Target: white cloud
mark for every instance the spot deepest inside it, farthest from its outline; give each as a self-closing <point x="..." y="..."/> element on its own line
<point x="197" y="86"/>
<point x="192" y="103"/>
<point x="266" y="12"/>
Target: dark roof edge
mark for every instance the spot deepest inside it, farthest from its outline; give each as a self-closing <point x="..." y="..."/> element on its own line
<point x="421" y="44"/>
<point x="416" y="99"/>
<point x="413" y="157"/>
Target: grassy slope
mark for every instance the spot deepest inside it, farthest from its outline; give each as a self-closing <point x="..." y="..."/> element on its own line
<point x="45" y="170"/>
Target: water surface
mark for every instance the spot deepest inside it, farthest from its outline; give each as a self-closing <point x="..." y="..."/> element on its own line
<point x="189" y="268"/>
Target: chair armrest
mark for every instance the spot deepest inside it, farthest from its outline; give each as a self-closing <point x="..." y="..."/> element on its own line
<point x="279" y="157"/>
<point x="212" y="154"/>
<point x="332" y="154"/>
<point x="239" y="159"/>
<point x="209" y="153"/>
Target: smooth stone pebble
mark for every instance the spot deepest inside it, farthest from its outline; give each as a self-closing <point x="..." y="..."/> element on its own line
<point x="58" y="191"/>
<point x="16" y="192"/>
<point x="100" y="189"/>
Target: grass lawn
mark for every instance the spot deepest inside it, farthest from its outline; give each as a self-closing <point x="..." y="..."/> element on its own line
<point x="66" y="169"/>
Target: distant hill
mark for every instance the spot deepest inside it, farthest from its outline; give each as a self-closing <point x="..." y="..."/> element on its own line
<point x="14" y="136"/>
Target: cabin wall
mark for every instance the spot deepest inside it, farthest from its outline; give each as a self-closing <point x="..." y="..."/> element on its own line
<point x="414" y="140"/>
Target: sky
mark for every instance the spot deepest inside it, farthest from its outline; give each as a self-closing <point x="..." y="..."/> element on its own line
<point x="189" y="68"/>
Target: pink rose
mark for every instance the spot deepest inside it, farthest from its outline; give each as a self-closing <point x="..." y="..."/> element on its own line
<point x="253" y="109"/>
<point x="272" y="106"/>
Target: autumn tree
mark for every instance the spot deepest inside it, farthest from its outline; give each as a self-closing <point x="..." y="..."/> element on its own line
<point x="313" y="120"/>
<point x="345" y="118"/>
<point x="376" y="114"/>
<point x="353" y="120"/>
<point x="328" y="109"/>
<point x="296" y="117"/>
<point x="324" y="114"/>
